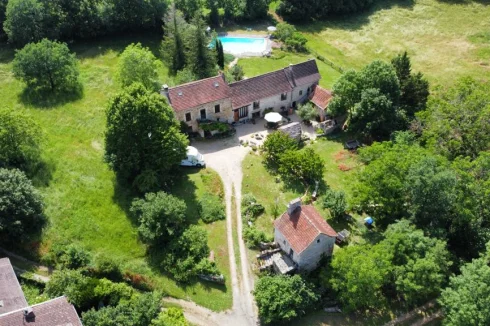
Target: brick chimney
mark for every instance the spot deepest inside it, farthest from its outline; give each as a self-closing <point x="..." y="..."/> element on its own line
<point x="293" y="205"/>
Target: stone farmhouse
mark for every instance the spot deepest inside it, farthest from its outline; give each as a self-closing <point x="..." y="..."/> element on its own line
<point x="304" y="235"/>
<point x="15" y="311"/>
<point x="215" y="99"/>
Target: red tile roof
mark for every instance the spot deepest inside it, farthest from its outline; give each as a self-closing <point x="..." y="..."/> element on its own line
<point x="302" y="227"/>
<point x="246" y="91"/>
<point x="321" y="97"/>
<point x="197" y="93"/>
<point x="56" y="312"/>
<point x="11" y="295"/>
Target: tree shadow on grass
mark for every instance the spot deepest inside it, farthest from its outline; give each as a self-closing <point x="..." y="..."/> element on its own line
<point x="41" y="173"/>
<point x="87" y="49"/>
<point x="50" y="100"/>
<point x="7" y="53"/>
<point x="354" y="21"/>
<point x="185" y="189"/>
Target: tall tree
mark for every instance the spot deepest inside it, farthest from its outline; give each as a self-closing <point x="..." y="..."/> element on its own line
<point x="414" y="88"/>
<point x="220" y="55"/>
<point x="466" y="301"/>
<point x="359" y="274"/>
<point x="21" y="209"/>
<point x="304" y="166"/>
<point x="161" y="217"/>
<point x="213" y="12"/>
<point x="19" y="140"/>
<point x="143" y="139"/>
<point x="47" y="66"/>
<point x="457" y="121"/>
<point x="3" y="9"/>
<point x="24" y="21"/>
<point x="200" y="58"/>
<point x="138" y="65"/>
<point x="283" y="298"/>
<point x="173" y="44"/>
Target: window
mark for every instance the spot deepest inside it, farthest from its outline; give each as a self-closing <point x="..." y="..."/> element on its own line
<point x="188" y="117"/>
<point x="283" y="241"/>
<point x="217" y="108"/>
<point x="284" y="96"/>
<point x="203" y="114"/>
<point x="256" y="105"/>
<point x="317" y="240"/>
<point x="243" y="112"/>
<point x="300" y="92"/>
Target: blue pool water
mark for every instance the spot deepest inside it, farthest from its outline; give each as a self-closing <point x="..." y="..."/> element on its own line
<point x="243" y="45"/>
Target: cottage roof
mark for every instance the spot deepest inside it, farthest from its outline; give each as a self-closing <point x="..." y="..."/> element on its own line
<point x="320" y="97"/>
<point x="302" y="227"/>
<point x="190" y="95"/>
<point x="246" y="91"/>
<point x="305" y="73"/>
<point x="55" y="312"/>
<point x="11" y="295"/>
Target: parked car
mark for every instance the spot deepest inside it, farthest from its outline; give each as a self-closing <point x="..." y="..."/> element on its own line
<point x="194" y="158"/>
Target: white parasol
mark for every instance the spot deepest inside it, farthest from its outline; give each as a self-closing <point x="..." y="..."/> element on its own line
<point x="271" y="28"/>
<point x="273" y="117"/>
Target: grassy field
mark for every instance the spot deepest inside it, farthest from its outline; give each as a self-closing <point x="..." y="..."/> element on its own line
<point x="82" y="199"/>
<point x="445" y="39"/>
<point x="340" y="167"/>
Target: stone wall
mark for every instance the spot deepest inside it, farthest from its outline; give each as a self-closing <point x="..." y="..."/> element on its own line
<point x="225" y="114"/>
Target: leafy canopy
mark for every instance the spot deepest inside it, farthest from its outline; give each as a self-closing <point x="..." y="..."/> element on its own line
<point x="283" y="298"/>
<point x="20" y="137"/>
<point x="138" y="65"/>
<point x="47" y="66"/>
<point x="161" y="217"/>
<point x="21" y="207"/>
<point x="143" y="139"/>
<point x="276" y="144"/>
<point x="304" y="166"/>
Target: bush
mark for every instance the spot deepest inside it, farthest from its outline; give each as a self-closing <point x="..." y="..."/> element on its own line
<point x="303" y="166"/>
<point x="47" y="66"/>
<point x="211" y="208"/>
<point x="307" y="112"/>
<point x="206" y="267"/>
<point x="73" y="257"/>
<point x="297" y="43"/>
<point x="111" y="293"/>
<point x="19" y="140"/>
<point x="282" y="298"/>
<point x="138" y="64"/>
<point x="161" y="217"/>
<point x="170" y="317"/>
<point x="107" y="267"/>
<point x="250" y="208"/>
<point x="77" y="287"/>
<point x="253" y="237"/>
<point x="21" y="208"/>
<point x="276" y="144"/>
<point x="335" y="202"/>
<point x="284" y="31"/>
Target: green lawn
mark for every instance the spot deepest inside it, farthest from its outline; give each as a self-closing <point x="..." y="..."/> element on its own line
<point x="266" y="188"/>
<point x="445" y="39"/>
<point x="82" y="199"/>
<point x="280" y="59"/>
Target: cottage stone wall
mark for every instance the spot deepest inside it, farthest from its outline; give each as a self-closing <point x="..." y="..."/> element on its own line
<point x="225" y="114"/>
<point x="310" y="257"/>
<point x="303" y="89"/>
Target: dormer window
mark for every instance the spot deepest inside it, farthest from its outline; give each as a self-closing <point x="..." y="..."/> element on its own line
<point x="179" y="93"/>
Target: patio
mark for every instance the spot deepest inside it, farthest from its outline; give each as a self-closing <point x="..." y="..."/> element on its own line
<point x="255" y="134"/>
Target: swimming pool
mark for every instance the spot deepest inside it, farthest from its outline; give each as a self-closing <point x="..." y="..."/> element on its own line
<point x="243" y="45"/>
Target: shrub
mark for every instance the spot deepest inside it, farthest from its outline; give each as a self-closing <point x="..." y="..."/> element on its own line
<point x="138" y="64"/>
<point x="282" y="298"/>
<point x="253" y="237"/>
<point x="284" y="31"/>
<point x="251" y="209"/>
<point x="297" y="42"/>
<point x="73" y="257"/>
<point x="304" y="166"/>
<point x="207" y="267"/>
<point x="170" y="317"/>
<point x="307" y="112"/>
<point x="21" y="208"/>
<point x="335" y="202"/>
<point x="111" y="293"/>
<point x="161" y="217"/>
<point x="276" y="144"/>
<point x="77" y="287"/>
<point x="211" y="208"/>
<point x="107" y="267"/>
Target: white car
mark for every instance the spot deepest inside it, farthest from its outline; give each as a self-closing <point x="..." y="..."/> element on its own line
<point x="194" y="158"/>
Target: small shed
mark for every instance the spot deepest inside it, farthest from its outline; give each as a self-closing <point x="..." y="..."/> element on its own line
<point x="320" y="97"/>
<point x="293" y="130"/>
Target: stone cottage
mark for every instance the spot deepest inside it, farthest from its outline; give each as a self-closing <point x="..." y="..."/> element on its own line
<point x="215" y="99"/>
<point x="304" y="235"/>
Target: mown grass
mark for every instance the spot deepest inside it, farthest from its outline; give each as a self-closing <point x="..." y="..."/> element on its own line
<point x="83" y="201"/>
<point x="445" y="39"/>
<point x="340" y="171"/>
<point x="280" y="59"/>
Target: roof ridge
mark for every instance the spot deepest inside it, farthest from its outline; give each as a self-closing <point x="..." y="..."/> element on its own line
<point x="267" y="73"/>
<point x="195" y="82"/>
<point x="34" y="305"/>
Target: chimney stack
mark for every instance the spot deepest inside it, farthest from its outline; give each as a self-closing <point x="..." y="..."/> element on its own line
<point x="164" y="91"/>
<point x="29" y="314"/>
<point x="293" y="205"/>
